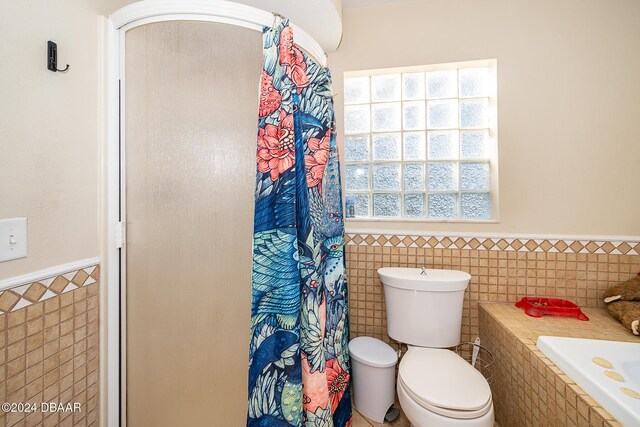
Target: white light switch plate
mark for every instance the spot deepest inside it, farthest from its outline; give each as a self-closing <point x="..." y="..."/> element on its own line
<point x="13" y="238"/>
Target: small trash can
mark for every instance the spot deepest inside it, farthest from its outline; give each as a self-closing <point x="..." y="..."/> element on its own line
<point x="373" y="364"/>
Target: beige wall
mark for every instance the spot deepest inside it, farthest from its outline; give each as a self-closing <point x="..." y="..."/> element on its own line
<point x="568" y="100"/>
<point x="49" y="129"/>
<point x="109" y="6"/>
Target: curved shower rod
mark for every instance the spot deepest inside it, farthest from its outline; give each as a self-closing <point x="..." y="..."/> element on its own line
<point x="222" y="11"/>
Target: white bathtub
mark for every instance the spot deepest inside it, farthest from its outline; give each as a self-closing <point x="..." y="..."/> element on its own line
<point x="575" y="356"/>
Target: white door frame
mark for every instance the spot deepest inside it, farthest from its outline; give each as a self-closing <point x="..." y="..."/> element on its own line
<point x="131" y="16"/>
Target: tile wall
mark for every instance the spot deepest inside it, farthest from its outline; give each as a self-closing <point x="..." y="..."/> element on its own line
<point x="502" y="269"/>
<point x="49" y="347"/>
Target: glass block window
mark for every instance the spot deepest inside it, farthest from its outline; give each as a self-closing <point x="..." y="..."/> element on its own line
<point x="421" y="142"/>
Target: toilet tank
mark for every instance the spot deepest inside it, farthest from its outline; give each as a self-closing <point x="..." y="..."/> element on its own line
<point x="424" y="306"/>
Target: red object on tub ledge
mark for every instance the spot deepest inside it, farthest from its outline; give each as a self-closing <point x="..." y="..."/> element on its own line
<point x="538" y="307"/>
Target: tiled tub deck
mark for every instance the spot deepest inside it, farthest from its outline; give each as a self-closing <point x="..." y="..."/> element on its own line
<point x="528" y="389"/>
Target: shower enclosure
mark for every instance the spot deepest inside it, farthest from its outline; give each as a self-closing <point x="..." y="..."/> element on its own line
<point x="182" y="173"/>
<point x="189" y="164"/>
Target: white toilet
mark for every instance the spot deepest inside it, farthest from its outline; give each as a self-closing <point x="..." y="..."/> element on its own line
<point x="436" y="387"/>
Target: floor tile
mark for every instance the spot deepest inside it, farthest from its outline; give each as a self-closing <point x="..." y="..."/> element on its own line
<point x="359" y="420"/>
<point x="362" y="421"/>
<point x="402" y="421"/>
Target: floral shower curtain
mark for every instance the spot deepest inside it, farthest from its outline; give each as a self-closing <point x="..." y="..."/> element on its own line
<point x="299" y="367"/>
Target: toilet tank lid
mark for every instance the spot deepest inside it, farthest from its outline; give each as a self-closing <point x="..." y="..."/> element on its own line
<point x="372" y="352"/>
<point x="433" y="280"/>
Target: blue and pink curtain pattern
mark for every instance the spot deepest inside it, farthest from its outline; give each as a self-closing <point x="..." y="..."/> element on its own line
<point x="299" y="362"/>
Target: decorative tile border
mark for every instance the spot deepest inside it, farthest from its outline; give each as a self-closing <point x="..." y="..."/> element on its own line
<point x="30" y="293"/>
<point x="496" y="243"/>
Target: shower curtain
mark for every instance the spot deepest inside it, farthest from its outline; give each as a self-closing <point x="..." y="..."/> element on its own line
<point x="299" y="366"/>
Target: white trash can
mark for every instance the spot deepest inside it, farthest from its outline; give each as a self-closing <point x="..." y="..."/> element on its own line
<point x="373" y="365"/>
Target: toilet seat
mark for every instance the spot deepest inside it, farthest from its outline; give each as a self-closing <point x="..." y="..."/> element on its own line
<point x="442" y="382"/>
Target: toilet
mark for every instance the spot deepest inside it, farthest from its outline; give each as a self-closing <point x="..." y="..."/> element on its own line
<point x="435" y="386"/>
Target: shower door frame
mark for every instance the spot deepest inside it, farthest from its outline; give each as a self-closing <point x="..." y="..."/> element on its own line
<point x="113" y="319"/>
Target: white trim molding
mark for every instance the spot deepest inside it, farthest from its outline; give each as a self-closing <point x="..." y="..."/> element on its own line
<point x="110" y="292"/>
<point x="47" y="273"/>
<point x="401" y="232"/>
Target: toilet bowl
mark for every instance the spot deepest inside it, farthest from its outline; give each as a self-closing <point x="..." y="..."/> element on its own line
<point x="435" y="386"/>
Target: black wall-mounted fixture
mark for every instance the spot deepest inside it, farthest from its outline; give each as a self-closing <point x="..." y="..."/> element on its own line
<point x="52" y="57"/>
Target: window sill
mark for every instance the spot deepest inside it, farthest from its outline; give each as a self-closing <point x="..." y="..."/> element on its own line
<point x="419" y="220"/>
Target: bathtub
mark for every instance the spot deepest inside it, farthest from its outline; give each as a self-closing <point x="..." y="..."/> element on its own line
<point x="609" y="371"/>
